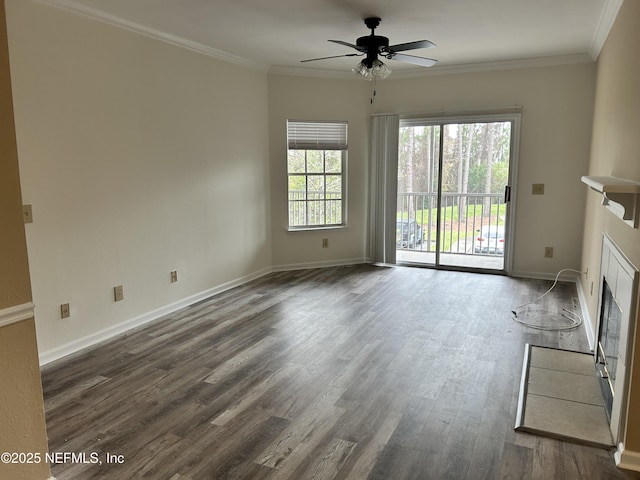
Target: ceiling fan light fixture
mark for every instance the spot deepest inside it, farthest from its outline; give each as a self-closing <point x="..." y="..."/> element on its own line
<point x="373" y="46"/>
<point x="377" y="70"/>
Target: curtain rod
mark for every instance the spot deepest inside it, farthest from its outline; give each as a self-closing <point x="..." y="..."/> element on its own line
<point x="449" y="113"/>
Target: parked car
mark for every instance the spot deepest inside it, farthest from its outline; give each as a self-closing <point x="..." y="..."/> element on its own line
<point x="490" y="240"/>
<point x="408" y="234"/>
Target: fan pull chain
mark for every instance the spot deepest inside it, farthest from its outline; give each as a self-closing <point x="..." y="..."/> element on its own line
<point x="373" y="93"/>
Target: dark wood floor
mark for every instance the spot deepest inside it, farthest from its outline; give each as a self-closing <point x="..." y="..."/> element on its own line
<point x="356" y="372"/>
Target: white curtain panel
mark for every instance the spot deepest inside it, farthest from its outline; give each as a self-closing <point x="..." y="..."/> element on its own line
<point x="383" y="188"/>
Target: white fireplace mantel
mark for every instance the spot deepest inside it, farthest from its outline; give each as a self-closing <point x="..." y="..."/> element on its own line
<point x="622" y="277"/>
<point x="620" y="196"/>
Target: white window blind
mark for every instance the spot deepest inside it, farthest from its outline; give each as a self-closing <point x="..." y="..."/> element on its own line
<point x="317" y="135"/>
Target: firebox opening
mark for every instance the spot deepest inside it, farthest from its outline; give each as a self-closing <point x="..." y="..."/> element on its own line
<point x="607" y="347"/>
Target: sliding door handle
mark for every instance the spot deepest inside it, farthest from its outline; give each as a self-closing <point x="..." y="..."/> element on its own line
<point x="507" y="193"/>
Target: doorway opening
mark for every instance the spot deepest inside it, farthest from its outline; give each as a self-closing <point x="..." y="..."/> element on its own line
<point x="454" y="205"/>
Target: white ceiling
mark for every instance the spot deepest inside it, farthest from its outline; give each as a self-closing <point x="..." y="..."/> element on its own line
<point x="276" y="34"/>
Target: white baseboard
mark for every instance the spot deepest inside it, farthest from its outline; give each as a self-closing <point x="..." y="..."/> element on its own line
<point x="102" y="335"/>
<point x="565" y="277"/>
<point x="586" y="319"/>
<point x="108" y="333"/>
<point x="627" y="460"/>
<point x="323" y="264"/>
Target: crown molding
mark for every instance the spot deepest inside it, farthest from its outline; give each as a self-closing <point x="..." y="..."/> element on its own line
<point x="609" y="13"/>
<point x="314" y="73"/>
<point x="536" y="62"/>
<point x="608" y="16"/>
<point x="95" y="14"/>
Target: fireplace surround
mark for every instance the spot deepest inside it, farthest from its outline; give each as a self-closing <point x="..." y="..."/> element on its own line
<point x="614" y="332"/>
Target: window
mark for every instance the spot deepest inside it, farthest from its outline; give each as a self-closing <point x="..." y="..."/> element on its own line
<point x="316" y="165"/>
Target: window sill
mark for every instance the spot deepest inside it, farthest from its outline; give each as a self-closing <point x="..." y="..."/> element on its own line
<point x="312" y="229"/>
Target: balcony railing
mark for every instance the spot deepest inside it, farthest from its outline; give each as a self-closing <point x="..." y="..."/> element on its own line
<point x="315" y="208"/>
<point x="471" y="223"/>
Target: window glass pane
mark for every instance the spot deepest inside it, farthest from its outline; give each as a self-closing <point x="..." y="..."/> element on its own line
<point x="333" y="161"/>
<point x="316" y="212"/>
<point x="334" y="212"/>
<point x="315" y="162"/>
<point x="334" y="186"/>
<point x="297" y="214"/>
<point x="297" y="187"/>
<point x="296" y="161"/>
<point x="315" y="187"/>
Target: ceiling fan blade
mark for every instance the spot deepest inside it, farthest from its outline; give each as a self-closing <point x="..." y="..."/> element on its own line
<point x="422" y="61"/>
<point x="401" y="47"/>
<point x="333" y="56"/>
<point x="347" y="44"/>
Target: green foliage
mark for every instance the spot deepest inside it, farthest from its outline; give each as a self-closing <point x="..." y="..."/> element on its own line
<point x="478" y="177"/>
<point x="315" y="187"/>
<point x="475" y="157"/>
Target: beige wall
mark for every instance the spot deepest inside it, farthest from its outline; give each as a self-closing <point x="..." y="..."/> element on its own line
<point x="139" y="158"/>
<point x="22" y="421"/>
<point x="557" y="105"/>
<point x="15" y="288"/>
<point x="300" y="98"/>
<point x="22" y="426"/>
<point x="615" y="150"/>
<point x="554" y="149"/>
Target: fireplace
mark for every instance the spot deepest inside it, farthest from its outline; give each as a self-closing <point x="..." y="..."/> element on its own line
<point x="615" y="328"/>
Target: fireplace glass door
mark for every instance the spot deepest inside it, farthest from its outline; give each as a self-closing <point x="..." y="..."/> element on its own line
<point x="608" y="340"/>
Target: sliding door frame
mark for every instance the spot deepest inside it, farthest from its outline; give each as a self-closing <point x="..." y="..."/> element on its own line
<point x="441" y="120"/>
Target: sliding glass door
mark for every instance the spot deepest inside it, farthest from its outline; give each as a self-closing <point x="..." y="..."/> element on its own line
<point x="454" y="192"/>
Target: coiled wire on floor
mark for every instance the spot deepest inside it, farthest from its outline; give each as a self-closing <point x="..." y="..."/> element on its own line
<point x="544" y="319"/>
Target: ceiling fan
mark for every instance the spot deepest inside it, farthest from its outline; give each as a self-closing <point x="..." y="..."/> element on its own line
<point x="374" y="46"/>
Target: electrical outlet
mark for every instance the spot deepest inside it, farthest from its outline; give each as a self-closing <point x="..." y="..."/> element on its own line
<point x="325" y="243"/>
<point x="174" y="276"/>
<point x="537" y="189"/>
<point x="65" y="310"/>
<point x="27" y="213"/>
<point x="548" y="252"/>
<point x="118" y="293"/>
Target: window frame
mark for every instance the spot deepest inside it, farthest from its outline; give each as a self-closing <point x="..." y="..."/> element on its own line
<point x="322" y="144"/>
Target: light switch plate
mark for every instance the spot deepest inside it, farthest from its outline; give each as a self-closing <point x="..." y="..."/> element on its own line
<point x="118" y="293"/>
<point x="27" y="213"/>
<point x="537" y="189"/>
